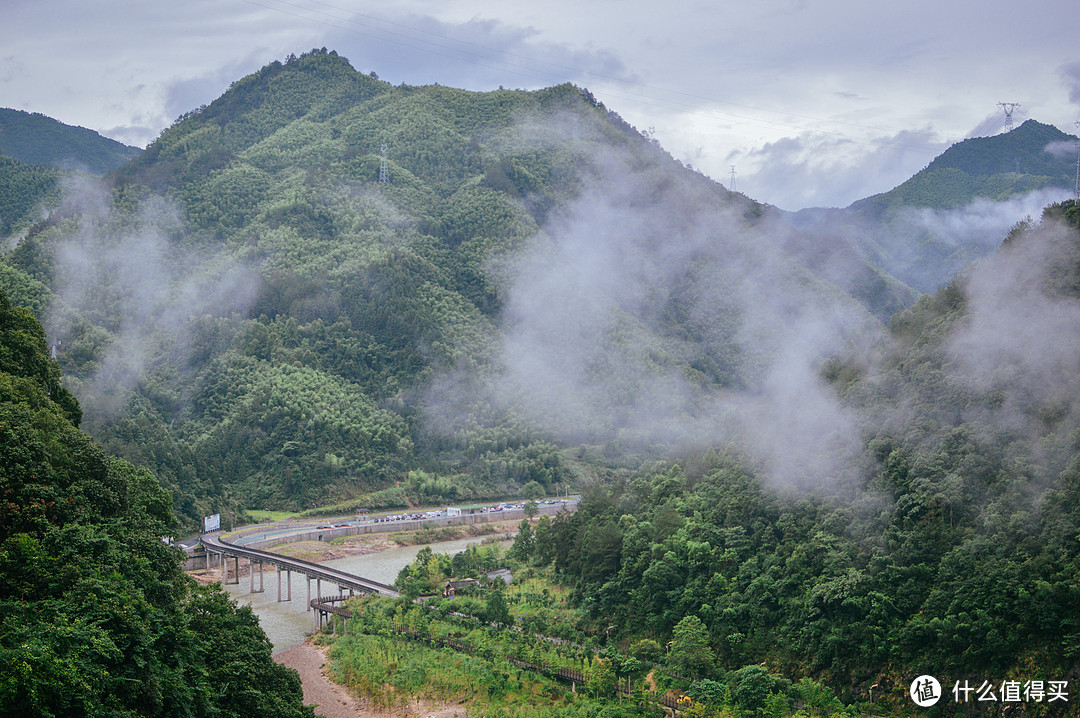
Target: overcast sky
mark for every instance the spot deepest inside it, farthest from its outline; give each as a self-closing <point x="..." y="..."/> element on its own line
<point x="815" y="102"/>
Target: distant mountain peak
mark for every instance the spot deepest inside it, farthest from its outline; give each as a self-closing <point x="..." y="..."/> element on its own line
<point x="34" y="138"/>
<point x="994" y="168"/>
<point x="1019" y="152"/>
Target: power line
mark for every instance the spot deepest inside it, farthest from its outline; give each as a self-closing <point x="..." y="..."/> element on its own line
<point x="1008" y="108"/>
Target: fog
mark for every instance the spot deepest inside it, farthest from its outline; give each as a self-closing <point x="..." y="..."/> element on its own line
<point x="656" y="310"/>
<point x="127" y="291"/>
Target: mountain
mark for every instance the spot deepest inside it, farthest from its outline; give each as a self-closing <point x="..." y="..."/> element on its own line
<point x="535" y="291"/>
<point x="1031" y="157"/>
<point x="930" y="227"/>
<point x="35" y="139"/>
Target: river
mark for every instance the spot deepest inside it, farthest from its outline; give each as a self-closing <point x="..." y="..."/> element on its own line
<point x="288" y="623"/>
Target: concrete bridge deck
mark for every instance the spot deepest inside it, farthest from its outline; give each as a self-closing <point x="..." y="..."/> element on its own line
<point x="215" y="544"/>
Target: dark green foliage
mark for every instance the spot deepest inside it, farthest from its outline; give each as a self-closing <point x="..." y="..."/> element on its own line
<point x="36" y="139"/>
<point x="994" y="168"/>
<point x="25" y="190"/>
<point x="96" y="616"/>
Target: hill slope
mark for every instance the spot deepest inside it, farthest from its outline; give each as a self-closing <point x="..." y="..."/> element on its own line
<point x="954" y="555"/>
<point x="35" y="139"/>
<point x="96" y="616"/>
<point x="956" y="209"/>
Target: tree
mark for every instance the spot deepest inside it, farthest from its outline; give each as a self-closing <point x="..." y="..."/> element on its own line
<point x="524" y="542"/>
<point x="495" y="609"/>
<point x="543" y="541"/>
<point x="531" y="509"/>
<point x="533" y="491"/>
<point x="600" y="677"/>
<point x="690" y="654"/>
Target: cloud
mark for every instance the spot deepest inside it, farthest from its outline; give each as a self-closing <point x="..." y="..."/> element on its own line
<point x="128" y="290"/>
<point x="477" y="53"/>
<point x="1021" y="335"/>
<point x="650" y="312"/>
<point x="1070" y="73"/>
<point x="980" y="227"/>
<point x="1065" y="149"/>
<point x="817" y="169"/>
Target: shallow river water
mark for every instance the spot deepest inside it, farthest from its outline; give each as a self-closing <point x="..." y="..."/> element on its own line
<point x="288" y="623"/>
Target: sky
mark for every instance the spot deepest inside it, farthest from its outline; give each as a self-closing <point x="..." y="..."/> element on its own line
<point x="812" y="102"/>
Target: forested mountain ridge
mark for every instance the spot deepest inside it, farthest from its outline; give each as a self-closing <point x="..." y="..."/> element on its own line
<point x="1030" y="157"/>
<point x="96" y="615"/>
<point x="928" y="228"/>
<point x="33" y="138"/>
<point x="248" y="310"/>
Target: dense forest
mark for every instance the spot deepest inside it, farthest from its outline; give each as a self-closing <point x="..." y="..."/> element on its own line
<point x="956" y="556"/>
<point x="96" y="616"/>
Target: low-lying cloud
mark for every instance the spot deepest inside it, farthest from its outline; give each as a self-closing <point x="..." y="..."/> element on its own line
<point x="651" y="311"/>
<point x="128" y="290"/>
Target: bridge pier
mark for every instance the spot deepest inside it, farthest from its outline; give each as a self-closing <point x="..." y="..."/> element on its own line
<point x="288" y="583"/>
<point x="251" y="569"/>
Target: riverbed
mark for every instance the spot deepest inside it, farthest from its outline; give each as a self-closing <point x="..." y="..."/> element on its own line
<point x="288" y="623"/>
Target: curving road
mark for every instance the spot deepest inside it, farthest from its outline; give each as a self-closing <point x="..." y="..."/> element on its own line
<point x="216" y="544"/>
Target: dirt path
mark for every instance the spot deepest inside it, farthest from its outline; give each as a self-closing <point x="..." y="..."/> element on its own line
<point x="335" y="701"/>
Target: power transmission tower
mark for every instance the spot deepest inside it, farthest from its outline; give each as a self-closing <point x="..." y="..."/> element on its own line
<point x="1007" y="108"/>
<point x="731" y="185"/>
<point x="384" y="167"/>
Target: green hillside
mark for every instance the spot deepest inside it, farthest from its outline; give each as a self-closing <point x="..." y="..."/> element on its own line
<point x="954" y="211"/>
<point x="265" y="324"/>
<point x="33" y="138"/>
<point x="96" y="616"/>
<point x="994" y="168"/>
<point x="25" y="190"/>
